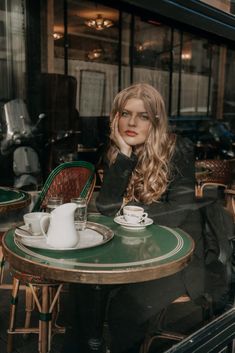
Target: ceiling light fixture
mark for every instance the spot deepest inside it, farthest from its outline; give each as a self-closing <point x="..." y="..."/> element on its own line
<point x="94" y="54"/>
<point x="57" y="35"/>
<point x="99" y="23"/>
<point x="186" y="56"/>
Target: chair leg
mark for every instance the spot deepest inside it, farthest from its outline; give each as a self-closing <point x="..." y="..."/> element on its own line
<point x="198" y="191"/>
<point x="46" y="308"/>
<point x="44" y="325"/>
<point x="54" y="310"/>
<point x="29" y="307"/>
<point x="13" y="307"/>
<point x="47" y="302"/>
<point x="2" y="263"/>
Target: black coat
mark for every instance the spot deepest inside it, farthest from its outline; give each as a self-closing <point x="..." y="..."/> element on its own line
<point x="177" y="207"/>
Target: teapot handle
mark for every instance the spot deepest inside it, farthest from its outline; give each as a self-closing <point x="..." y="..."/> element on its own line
<point x="42" y="224"/>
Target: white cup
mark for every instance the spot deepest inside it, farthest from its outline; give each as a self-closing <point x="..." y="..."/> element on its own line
<point x="134" y="214"/>
<point x="32" y="221"/>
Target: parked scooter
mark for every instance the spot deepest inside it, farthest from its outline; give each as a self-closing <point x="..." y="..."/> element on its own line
<point x="21" y="138"/>
<point x="217" y="141"/>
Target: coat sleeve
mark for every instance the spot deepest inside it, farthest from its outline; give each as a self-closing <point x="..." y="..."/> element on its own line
<point x="178" y="202"/>
<point x="116" y="179"/>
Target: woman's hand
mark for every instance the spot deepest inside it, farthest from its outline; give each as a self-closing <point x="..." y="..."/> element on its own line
<point x="118" y="139"/>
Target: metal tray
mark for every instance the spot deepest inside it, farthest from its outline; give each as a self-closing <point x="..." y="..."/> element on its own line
<point x="94" y="235"/>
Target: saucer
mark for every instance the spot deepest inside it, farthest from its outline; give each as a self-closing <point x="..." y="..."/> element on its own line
<point x="22" y="233"/>
<point x="121" y="220"/>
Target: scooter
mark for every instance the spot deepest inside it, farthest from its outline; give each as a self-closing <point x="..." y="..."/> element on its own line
<point x="20" y="138"/>
<point x="216" y="142"/>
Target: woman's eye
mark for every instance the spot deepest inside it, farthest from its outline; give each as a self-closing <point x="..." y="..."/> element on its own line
<point x="144" y="117"/>
<point x="124" y="114"/>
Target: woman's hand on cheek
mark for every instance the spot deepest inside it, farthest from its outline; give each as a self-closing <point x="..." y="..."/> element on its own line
<point x="118" y="139"/>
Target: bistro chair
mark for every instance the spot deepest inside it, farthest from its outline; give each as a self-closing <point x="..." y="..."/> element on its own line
<point x="68" y="180"/>
<point x="212" y="172"/>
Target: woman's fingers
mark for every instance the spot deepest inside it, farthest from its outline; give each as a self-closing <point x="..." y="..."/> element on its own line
<point x="114" y="128"/>
<point x="117" y="138"/>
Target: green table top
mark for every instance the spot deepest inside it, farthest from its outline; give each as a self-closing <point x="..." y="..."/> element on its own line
<point x="131" y="256"/>
<point x="11" y="199"/>
<point x="8" y="195"/>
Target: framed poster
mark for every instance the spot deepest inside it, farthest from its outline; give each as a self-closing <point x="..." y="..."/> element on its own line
<point x="92" y="85"/>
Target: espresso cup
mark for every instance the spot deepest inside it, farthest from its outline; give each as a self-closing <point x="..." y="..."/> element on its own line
<point x="134" y="214"/>
<point x="32" y="221"/>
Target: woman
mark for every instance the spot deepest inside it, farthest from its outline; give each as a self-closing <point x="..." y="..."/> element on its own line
<point x="150" y="167"/>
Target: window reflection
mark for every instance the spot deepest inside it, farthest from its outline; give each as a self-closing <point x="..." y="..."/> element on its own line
<point x="152" y="55"/>
<point x="194" y="74"/>
<point x="97" y="43"/>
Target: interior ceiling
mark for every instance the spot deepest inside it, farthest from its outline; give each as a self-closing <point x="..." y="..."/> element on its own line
<point x="78" y="13"/>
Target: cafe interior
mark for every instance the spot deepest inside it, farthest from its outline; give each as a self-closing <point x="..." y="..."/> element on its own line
<point x="62" y="62"/>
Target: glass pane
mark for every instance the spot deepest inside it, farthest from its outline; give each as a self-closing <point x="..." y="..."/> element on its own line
<point x="152" y="55"/>
<point x="193" y="61"/>
<point x="229" y="93"/>
<point x="89" y="48"/>
<point x="175" y="94"/>
<point x="125" y="50"/>
<point x="12" y="42"/>
<point x="195" y="75"/>
<point x="91" y="54"/>
<point x="223" y="84"/>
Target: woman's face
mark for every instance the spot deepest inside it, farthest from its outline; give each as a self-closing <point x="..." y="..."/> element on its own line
<point x="134" y="123"/>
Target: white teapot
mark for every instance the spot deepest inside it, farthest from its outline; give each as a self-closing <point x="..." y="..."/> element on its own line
<point x="61" y="232"/>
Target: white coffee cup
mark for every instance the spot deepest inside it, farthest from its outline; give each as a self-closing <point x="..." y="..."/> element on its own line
<point x="134" y="214"/>
<point x="32" y="221"/>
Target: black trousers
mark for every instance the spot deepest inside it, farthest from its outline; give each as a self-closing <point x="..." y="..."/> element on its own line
<point x="130" y="307"/>
<point x="133" y="306"/>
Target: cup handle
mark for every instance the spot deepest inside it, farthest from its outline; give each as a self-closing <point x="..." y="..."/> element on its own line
<point x="42" y="224"/>
<point x="144" y="216"/>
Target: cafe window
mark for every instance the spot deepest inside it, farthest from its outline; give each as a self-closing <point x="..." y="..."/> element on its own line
<point x="101" y="48"/>
<point x="183" y="66"/>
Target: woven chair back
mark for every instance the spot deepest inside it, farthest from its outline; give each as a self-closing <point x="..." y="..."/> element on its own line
<point x="219" y="171"/>
<point x="70" y="179"/>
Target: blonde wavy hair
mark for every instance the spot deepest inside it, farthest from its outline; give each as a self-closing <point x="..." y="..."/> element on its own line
<point x="152" y="173"/>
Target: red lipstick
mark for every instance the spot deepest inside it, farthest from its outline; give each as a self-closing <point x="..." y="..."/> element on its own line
<point x="130" y="133"/>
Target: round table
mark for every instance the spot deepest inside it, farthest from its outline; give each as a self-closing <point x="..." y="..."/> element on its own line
<point x="131" y="256"/>
<point x="13" y="199"/>
<point x="12" y="202"/>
